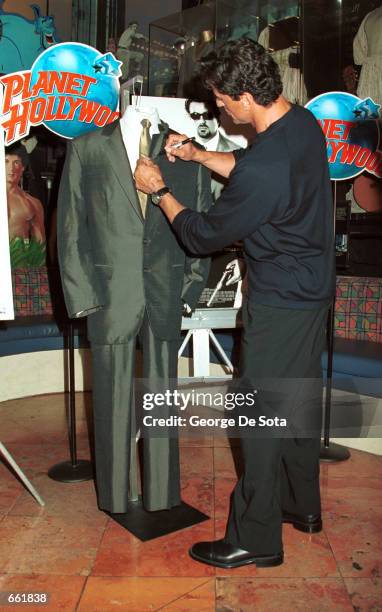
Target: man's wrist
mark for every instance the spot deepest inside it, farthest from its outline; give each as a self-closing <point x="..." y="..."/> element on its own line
<point x="170" y="206"/>
<point x="156" y="185"/>
<point x="166" y="198"/>
<point x="199" y="155"/>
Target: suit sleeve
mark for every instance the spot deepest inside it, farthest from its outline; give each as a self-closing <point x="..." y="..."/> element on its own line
<point x="82" y="290"/>
<point x="256" y="193"/>
<point x="196" y="268"/>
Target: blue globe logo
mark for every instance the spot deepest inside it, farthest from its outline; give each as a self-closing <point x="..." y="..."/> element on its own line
<point x="351" y="129"/>
<point x="82" y="61"/>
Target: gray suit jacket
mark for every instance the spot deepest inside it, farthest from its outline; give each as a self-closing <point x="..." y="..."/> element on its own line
<point x="114" y="263"/>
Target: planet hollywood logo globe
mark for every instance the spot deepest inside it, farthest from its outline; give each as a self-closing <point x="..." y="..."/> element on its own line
<point x="83" y="61"/>
<point x="352" y="133"/>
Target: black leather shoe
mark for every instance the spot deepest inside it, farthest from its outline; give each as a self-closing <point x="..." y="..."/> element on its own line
<point x="225" y="555"/>
<point x="308" y="523"/>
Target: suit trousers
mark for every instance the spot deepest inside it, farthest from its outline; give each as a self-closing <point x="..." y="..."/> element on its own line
<point x="281" y="472"/>
<point x="114" y="407"/>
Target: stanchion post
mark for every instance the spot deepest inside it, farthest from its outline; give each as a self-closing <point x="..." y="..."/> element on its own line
<point x="73" y="470"/>
<point x="330" y="451"/>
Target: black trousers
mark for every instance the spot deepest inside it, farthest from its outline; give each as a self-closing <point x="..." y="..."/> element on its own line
<point x="280" y="472"/>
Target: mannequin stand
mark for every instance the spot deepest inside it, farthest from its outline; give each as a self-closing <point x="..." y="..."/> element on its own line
<point x="146" y="525"/>
<point x="150" y="525"/>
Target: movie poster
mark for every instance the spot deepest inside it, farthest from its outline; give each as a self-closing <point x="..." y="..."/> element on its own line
<point x="6" y="298"/>
<point x="202" y="120"/>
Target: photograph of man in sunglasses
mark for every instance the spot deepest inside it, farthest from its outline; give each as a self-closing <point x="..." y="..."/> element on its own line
<point x="205" y="115"/>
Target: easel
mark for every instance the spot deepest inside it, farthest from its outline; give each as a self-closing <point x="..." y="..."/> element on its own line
<point x="20" y="474"/>
<point x="199" y="330"/>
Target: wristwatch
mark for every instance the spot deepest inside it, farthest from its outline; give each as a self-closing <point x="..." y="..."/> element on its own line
<point x="158" y="195"/>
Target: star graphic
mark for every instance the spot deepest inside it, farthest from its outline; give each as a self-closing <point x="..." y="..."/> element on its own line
<point x="107" y="64"/>
<point x="367" y="108"/>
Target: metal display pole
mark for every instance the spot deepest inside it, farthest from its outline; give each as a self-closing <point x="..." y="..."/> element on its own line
<point x="74" y="470"/>
<point x="330" y="451"/>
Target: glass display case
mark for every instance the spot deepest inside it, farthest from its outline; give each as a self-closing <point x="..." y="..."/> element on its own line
<point x="320" y="46"/>
<point x="178" y="41"/>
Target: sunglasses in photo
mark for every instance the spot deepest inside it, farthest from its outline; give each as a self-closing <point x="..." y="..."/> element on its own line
<point x="207" y="115"/>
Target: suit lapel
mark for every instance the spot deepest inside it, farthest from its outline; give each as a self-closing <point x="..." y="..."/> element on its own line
<point x="158" y="140"/>
<point x="121" y="166"/>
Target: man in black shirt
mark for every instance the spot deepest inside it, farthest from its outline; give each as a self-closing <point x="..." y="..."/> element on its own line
<point x="278" y="201"/>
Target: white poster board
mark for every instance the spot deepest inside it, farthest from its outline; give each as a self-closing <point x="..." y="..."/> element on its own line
<point x="225" y="285"/>
<point x="173" y="112"/>
<point x="6" y="295"/>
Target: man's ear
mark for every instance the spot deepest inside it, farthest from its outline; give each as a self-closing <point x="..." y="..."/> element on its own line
<point x="246" y="99"/>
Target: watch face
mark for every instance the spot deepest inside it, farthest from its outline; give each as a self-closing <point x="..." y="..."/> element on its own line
<point x="156" y="197"/>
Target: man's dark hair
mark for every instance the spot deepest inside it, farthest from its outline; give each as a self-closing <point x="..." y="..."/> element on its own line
<point x="242" y="66"/>
<point x="20" y="151"/>
<point x="210" y="105"/>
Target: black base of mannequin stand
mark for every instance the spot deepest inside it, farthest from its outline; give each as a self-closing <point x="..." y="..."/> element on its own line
<point x="149" y="525"/>
<point x="333" y="452"/>
<point x="68" y="472"/>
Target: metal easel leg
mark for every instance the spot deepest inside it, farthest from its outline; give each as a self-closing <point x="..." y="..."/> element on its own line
<point x="221" y="351"/>
<point x="21" y="474"/>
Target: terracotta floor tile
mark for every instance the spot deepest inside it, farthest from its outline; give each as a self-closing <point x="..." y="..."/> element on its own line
<point x="134" y="594"/>
<point x="281" y="595"/>
<point x="40" y="419"/>
<point x="196" y="461"/>
<point x="222" y="441"/>
<point x="199" y="492"/>
<point x="76" y="503"/>
<point x="70" y="538"/>
<point x="359" y="464"/>
<point x="356" y="543"/>
<point x="10" y="489"/>
<point x="227" y="462"/>
<point x="48" y="545"/>
<point x="365" y="593"/>
<point x="64" y="591"/>
<point x="35" y="459"/>
<point x="352" y="495"/>
<point x="191" y="441"/>
<point x="121" y="554"/>
<point x="201" y="599"/>
<point x="306" y="556"/>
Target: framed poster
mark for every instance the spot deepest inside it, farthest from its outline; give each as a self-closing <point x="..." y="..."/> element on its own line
<point x="6" y="298"/>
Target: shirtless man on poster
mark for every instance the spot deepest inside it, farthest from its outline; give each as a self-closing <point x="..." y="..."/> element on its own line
<point x="25" y="213"/>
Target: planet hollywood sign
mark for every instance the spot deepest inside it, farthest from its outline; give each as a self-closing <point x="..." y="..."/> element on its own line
<point x="352" y="133"/>
<point x="71" y="89"/>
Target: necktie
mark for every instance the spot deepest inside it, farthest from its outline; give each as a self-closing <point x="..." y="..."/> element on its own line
<point x="144" y="149"/>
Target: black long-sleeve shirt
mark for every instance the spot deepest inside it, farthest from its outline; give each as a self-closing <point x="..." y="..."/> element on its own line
<point x="279" y="202"/>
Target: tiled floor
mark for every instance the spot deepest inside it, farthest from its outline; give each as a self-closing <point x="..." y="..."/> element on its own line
<point x="87" y="562"/>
